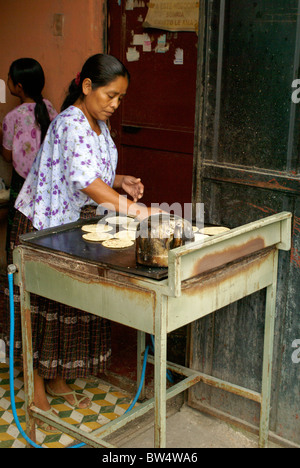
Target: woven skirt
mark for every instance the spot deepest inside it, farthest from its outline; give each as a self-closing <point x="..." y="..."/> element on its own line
<point x="67" y="342"/>
<point x="16" y="184"/>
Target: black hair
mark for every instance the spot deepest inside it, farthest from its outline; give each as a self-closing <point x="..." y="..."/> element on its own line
<point x="29" y="73"/>
<point x="102" y="69"/>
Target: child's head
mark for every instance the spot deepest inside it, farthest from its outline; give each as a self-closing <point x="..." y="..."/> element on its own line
<point x="27" y="73"/>
<point x="26" y="79"/>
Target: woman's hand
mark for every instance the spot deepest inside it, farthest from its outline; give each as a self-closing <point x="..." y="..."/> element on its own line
<point x="133" y="187"/>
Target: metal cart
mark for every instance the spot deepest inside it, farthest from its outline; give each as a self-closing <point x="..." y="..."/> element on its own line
<point x="202" y="277"/>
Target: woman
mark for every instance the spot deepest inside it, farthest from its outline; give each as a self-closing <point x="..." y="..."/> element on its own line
<point x="75" y="170"/>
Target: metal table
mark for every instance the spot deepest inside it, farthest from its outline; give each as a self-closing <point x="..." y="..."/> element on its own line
<point x="202" y="277"/>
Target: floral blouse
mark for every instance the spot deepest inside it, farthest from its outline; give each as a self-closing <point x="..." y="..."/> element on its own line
<point x="71" y="158"/>
<point x="22" y="135"/>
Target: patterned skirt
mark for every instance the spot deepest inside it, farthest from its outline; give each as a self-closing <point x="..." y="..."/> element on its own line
<point x="16" y="184"/>
<point x="67" y="342"/>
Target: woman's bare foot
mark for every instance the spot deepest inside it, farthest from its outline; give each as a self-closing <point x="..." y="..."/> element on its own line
<point x="41" y="402"/>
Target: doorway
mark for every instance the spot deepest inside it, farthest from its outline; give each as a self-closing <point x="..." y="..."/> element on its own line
<point x="154" y="132"/>
<point x="154" y="128"/>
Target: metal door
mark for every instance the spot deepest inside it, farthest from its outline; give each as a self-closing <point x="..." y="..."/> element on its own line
<point x="248" y="167"/>
<point x="154" y="129"/>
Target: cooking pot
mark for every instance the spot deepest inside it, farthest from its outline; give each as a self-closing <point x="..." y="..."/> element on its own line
<point x="158" y="234"/>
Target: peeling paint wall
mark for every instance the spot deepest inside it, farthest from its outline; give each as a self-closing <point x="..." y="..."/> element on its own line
<point x="61" y="35"/>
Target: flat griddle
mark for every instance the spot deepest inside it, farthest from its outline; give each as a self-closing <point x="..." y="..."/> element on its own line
<point x="67" y="240"/>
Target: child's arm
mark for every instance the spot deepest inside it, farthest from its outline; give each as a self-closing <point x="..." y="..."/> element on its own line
<point x="7" y="154"/>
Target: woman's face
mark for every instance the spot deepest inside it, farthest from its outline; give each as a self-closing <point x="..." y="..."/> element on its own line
<point x="102" y="102"/>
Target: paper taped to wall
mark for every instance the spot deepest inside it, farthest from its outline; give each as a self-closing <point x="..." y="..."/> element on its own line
<point x="132" y="55"/>
<point x="173" y="15"/>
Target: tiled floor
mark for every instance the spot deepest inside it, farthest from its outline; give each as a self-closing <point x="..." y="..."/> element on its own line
<point x="108" y="403"/>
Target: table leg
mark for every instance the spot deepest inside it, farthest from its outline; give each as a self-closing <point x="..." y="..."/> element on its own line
<point x="160" y="368"/>
<point x="27" y="360"/>
<point x="268" y="356"/>
<point x="141" y="346"/>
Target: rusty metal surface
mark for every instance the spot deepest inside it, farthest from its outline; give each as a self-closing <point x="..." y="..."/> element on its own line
<point x="68" y="240"/>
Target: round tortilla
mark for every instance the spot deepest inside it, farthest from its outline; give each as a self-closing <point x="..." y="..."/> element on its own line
<point x="199" y="236"/>
<point x="119" y="220"/>
<point x="96" y="228"/>
<point x="132" y="226"/>
<point x="125" y="235"/>
<point x="214" y="230"/>
<point x="97" y="237"/>
<point x="117" y="243"/>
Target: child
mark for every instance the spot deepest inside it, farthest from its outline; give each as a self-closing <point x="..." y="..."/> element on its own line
<point x="25" y="127"/>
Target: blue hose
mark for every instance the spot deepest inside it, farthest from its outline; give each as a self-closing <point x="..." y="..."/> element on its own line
<point x="11" y="361"/>
<point x="169" y="373"/>
<point x="11" y="369"/>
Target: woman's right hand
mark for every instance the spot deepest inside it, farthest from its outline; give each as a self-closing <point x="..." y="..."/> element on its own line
<point x="143" y="211"/>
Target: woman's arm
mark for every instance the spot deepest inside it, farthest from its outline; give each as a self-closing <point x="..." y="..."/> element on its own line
<point x="131" y="185"/>
<point x="7" y="155"/>
<point x="106" y="196"/>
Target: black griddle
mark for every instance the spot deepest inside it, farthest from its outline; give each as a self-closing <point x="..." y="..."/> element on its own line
<point x="67" y="239"/>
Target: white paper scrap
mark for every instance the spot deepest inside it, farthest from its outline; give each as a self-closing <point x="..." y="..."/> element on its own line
<point x="178" y="57"/>
<point x="129" y="5"/>
<point x="132" y="55"/>
<point x="138" y="39"/>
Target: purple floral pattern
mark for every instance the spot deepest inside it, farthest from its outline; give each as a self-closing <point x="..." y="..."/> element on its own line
<point x="71" y="158"/>
<point x="22" y="136"/>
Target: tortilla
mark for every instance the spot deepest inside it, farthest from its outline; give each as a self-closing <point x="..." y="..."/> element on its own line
<point x="199" y="236"/>
<point x="117" y="243"/>
<point x="131" y="226"/>
<point x="97" y="237"/>
<point x="125" y="235"/>
<point x="96" y="228"/>
<point x="119" y="220"/>
<point x="214" y="230"/>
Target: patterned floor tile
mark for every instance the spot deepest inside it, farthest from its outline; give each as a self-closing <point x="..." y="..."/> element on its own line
<point x="108" y="403"/>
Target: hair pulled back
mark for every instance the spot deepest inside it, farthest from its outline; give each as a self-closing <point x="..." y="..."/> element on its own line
<point x="29" y="73"/>
<point x="101" y="69"/>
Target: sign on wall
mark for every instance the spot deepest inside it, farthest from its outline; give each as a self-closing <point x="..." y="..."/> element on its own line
<point x="2" y="91"/>
<point x="173" y="15"/>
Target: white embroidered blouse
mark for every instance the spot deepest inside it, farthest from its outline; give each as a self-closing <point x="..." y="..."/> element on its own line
<point x="71" y="158"/>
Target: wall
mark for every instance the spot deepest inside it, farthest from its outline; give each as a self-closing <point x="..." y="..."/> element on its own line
<point x="28" y="29"/>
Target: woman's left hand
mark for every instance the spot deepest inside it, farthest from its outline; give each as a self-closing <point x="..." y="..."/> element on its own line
<point x="133" y="187"/>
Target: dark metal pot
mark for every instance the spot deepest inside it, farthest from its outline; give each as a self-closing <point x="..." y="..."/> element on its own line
<point x="158" y="234"/>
